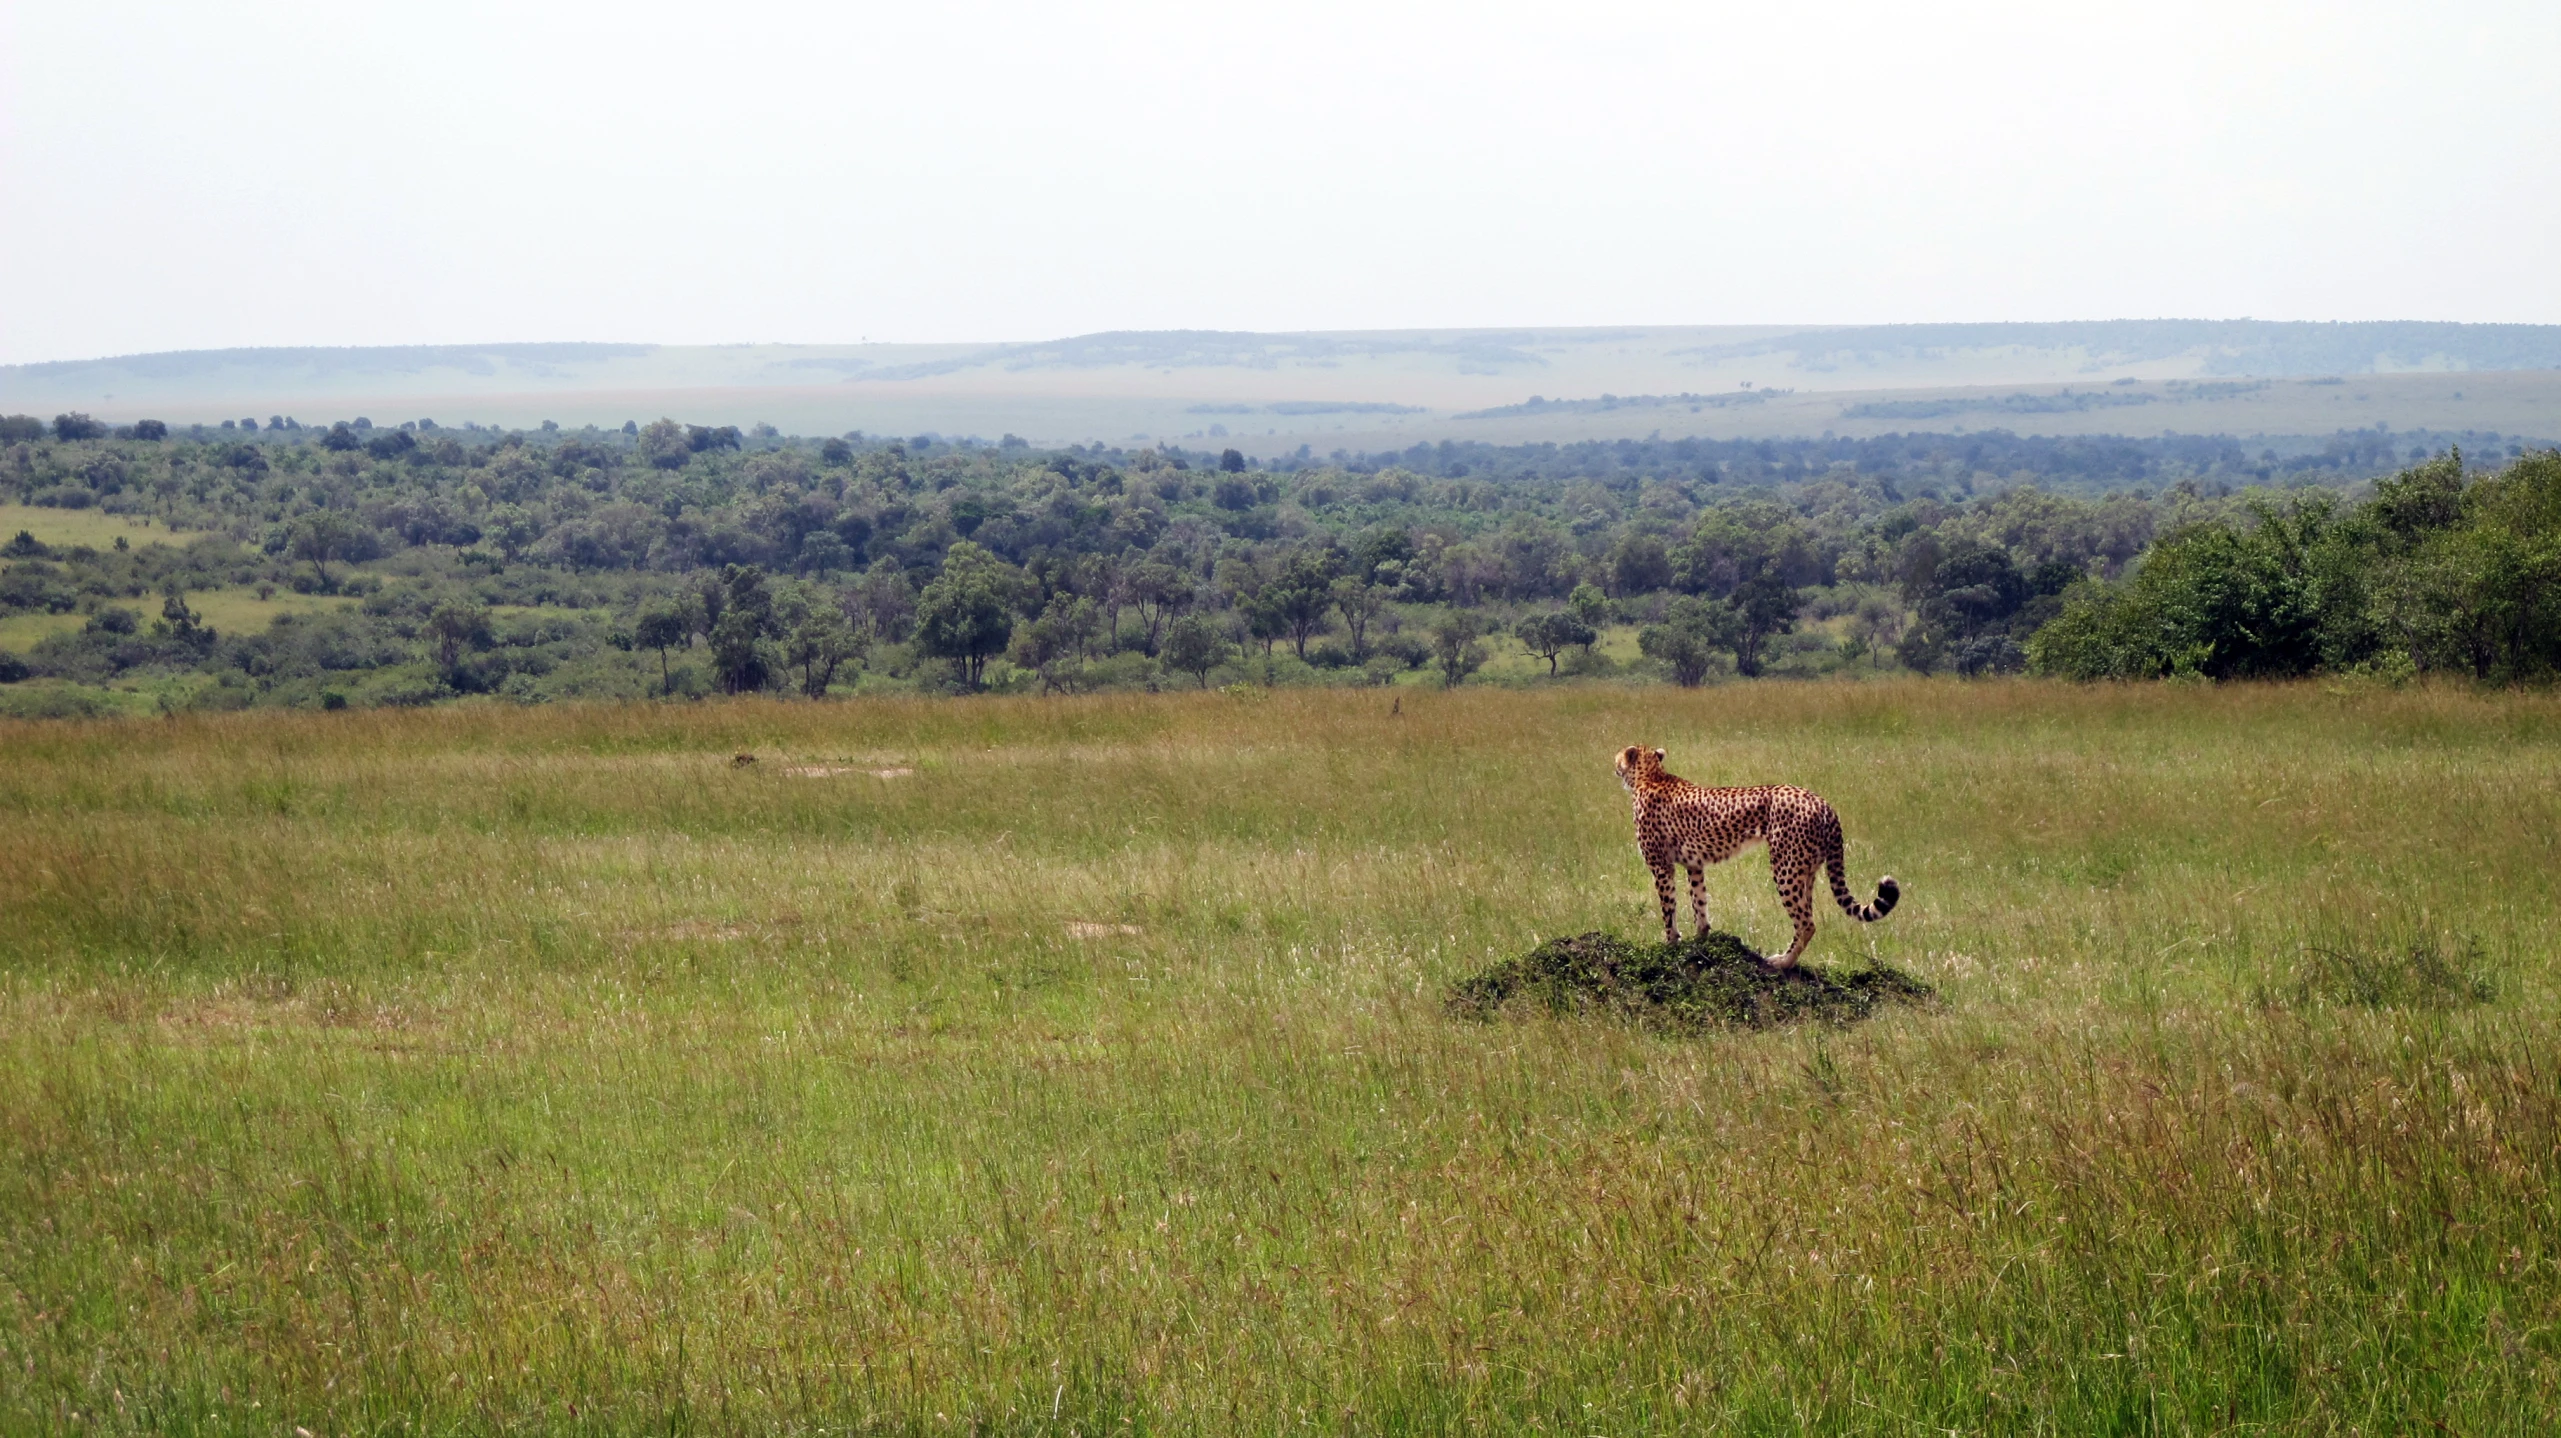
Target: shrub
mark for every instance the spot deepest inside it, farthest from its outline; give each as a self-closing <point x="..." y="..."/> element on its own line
<point x="2423" y="973"/>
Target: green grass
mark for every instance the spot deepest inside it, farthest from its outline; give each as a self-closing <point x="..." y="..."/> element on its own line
<point x="233" y="609"/>
<point x="1507" y="660"/>
<point x="22" y="632"/>
<point x="94" y="528"/>
<point x="491" y="1069"/>
<point x="237" y="609"/>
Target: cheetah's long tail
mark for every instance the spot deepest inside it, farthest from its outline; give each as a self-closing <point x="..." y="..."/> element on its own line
<point x="1887" y="891"/>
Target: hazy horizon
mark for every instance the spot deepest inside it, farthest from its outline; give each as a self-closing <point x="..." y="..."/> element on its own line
<point x="283" y="173"/>
<point x="1271" y="393"/>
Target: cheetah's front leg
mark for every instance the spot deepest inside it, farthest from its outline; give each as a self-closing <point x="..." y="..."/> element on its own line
<point x="1698" y="897"/>
<point x="1662" y="867"/>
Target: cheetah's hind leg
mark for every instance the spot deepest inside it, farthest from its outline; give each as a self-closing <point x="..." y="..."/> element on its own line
<point x="1795" y="877"/>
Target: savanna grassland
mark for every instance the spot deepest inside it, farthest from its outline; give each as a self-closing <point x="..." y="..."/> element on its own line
<point x="1081" y="1064"/>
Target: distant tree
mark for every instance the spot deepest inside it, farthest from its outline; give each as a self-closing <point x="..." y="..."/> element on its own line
<point x="817" y="640"/>
<point x="664" y="625"/>
<point x="1155" y="590"/>
<point x="664" y="445"/>
<point x="1454" y="646"/>
<point x="1378" y="549"/>
<point x="1548" y="635"/>
<point x="967" y="614"/>
<point x="738" y="636"/>
<point x="17" y="428"/>
<point x="1261" y="621"/>
<point x="884" y="600"/>
<point x="835" y="452"/>
<point x="1359" y="604"/>
<point x="150" y="429"/>
<point x="1232" y="461"/>
<point x="512" y="528"/>
<point x="180" y="624"/>
<point x="453" y="625"/>
<point x="822" y="552"/>
<point x="1640" y="565"/>
<point x="1301" y="597"/>
<point x="341" y="438"/>
<point x="1195" y="646"/>
<point x="1049" y="644"/>
<point x="75" y="426"/>
<point x="1589" y="605"/>
<point x="391" y="444"/>
<point x="1767" y="608"/>
<point x="702" y="439"/>
<point x="325" y="535"/>
<point x="1693" y="629"/>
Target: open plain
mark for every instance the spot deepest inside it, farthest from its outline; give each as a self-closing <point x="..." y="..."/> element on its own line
<point x="1083" y="1065"/>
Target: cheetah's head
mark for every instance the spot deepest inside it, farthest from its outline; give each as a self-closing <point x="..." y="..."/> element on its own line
<point x="1638" y="765"/>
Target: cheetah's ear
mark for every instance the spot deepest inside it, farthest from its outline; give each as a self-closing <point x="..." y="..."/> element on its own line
<point x="1658" y="756"/>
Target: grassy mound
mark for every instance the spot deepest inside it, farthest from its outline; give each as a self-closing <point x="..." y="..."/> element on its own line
<point x="1695" y="984"/>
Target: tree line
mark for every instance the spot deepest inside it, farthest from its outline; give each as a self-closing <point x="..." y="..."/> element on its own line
<point x="671" y="558"/>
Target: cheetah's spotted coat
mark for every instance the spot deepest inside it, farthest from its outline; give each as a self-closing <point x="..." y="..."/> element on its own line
<point x="1684" y="824"/>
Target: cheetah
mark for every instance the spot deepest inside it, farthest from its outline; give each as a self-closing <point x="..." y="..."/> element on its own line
<point x="1678" y="822"/>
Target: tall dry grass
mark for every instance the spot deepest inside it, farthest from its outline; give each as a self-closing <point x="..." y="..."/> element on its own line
<point x="495" y="1069"/>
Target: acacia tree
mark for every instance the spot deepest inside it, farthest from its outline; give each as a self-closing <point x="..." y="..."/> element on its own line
<point x="817" y="637"/>
<point x="1548" y="635"/>
<point x="967" y="613"/>
<point x="326" y="535"/>
<point x="1195" y="646"/>
<point x="1301" y="598"/>
<point x="664" y="625"/>
<point x="1156" y="591"/>
<point x="819" y="645"/>
<point x="1454" y="646"/>
<point x="181" y="623"/>
<point x="1359" y="604"/>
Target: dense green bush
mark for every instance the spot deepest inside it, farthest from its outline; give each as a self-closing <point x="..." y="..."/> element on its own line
<point x="2432" y="573"/>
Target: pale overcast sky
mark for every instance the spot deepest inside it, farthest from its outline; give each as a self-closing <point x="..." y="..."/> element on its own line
<point x="215" y="174"/>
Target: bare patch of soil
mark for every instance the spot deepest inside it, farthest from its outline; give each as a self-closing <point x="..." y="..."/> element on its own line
<point x="1080" y="929"/>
